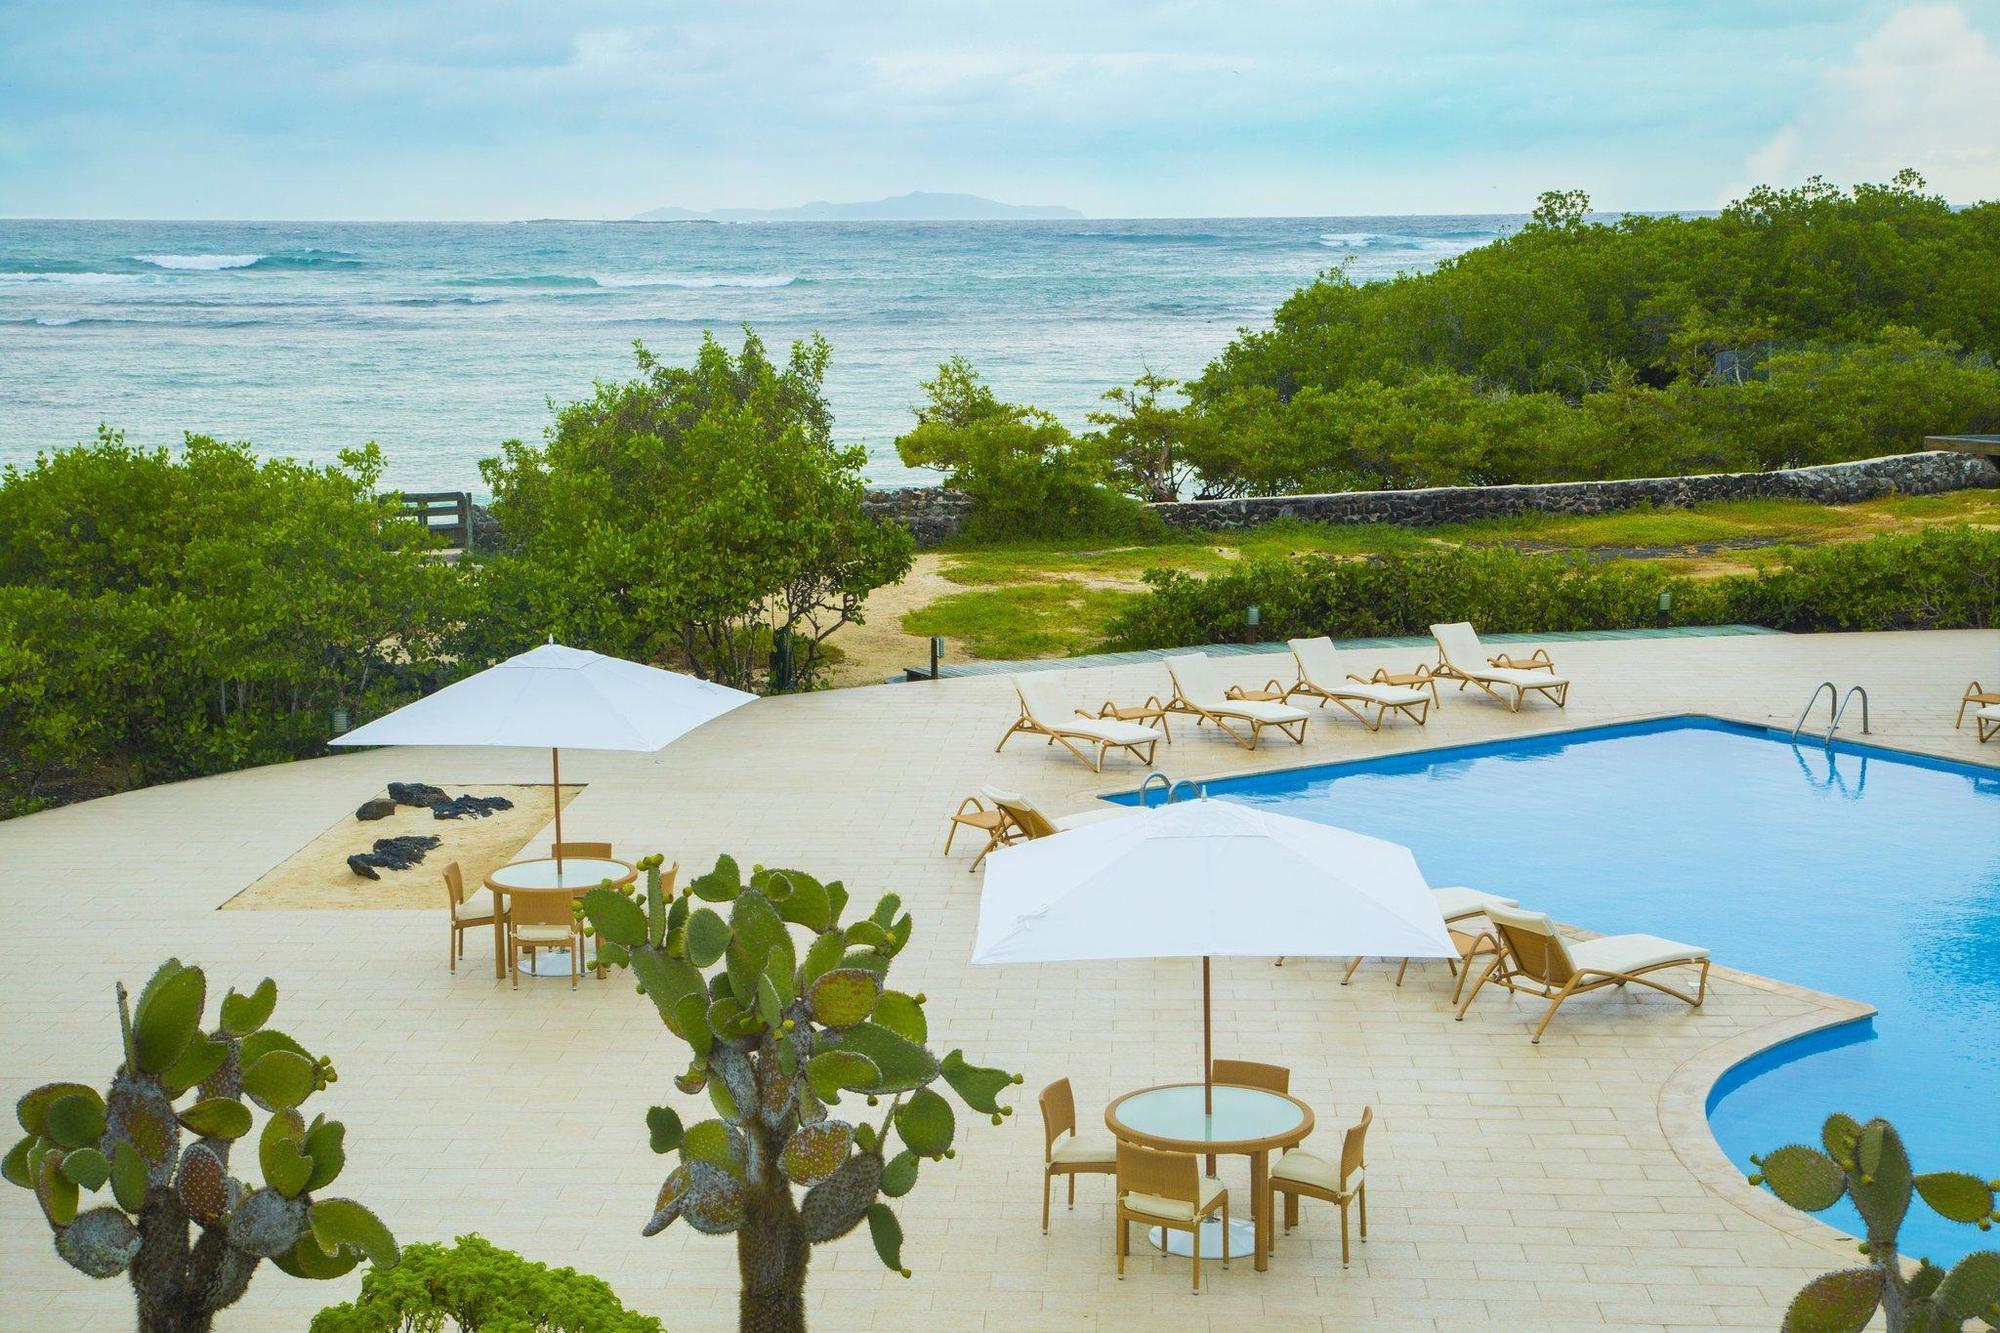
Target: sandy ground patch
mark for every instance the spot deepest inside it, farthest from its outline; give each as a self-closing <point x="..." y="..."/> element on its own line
<point x="317" y="875"/>
<point x="879" y="648"/>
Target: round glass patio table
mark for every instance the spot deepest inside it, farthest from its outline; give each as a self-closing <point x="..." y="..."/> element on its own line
<point x="577" y="875"/>
<point x="1249" y="1121"/>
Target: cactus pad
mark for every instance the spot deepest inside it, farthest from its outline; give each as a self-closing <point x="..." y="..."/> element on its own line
<point x="712" y="1203"/>
<point x="266" y="1223"/>
<point x="977" y="1086"/>
<point x="805" y="900"/>
<point x="203" y="1184"/>
<point x="1881" y="1189"/>
<point x="887" y="1233"/>
<point x="281" y="1155"/>
<point x="822" y="956"/>
<point x="926" y="1123"/>
<point x="837" y="1204"/>
<point x="326" y="1144"/>
<point x="899" y="1177"/>
<point x="1957" y="1195"/>
<point x="87" y="1167"/>
<point x="128" y="1177"/>
<point x="55" y="1191"/>
<point x="343" y="1222"/>
<point x="140" y="1114"/>
<point x="715" y="1143"/>
<point x="667" y="1205"/>
<point x="244" y="1014"/>
<point x="902" y="1015"/>
<point x="279" y="1080"/>
<point x="616" y="917"/>
<point x="75" y="1118"/>
<point x="1803" y="1177"/>
<point x="217" y="1118"/>
<point x="830" y="1071"/>
<point x="708" y="937"/>
<point x="167" y="1015"/>
<point x="719" y="885"/>
<point x="1972" y="1286"/>
<point x="201" y="1061"/>
<point x="816" y="1151"/>
<point x="843" y="997"/>
<point x="1840" y="1302"/>
<point x="33" y="1108"/>
<point x="904" y="1064"/>
<point x="663" y="1128"/>
<point x="308" y="1260"/>
<point x="100" y="1243"/>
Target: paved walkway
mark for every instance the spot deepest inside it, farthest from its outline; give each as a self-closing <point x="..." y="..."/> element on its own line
<point x="1570" y="1185"/>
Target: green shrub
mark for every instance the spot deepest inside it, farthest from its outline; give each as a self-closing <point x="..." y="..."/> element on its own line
<point x="480" y="1288"/>
<point x="1936" y="578"/>
<point x="170" y="614"/>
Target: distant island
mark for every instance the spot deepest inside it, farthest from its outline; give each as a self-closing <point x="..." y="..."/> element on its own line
<point x="917" y="206"/>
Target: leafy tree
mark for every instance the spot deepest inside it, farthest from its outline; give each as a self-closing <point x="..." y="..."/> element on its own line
<point x="172" y="613"/>
<point x="780" y="1038"/>
<point x="699" y="515"/>
<point x="1026" y="473"/>
<point x="478" y="1286"/>
<point x="1157" y="450"/>
<point x="188" y="1235"/>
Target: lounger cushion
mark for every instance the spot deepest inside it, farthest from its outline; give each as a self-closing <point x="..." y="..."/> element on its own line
<point x="1258" y="709"/>
<point x="1514" y="676"/>
<point x="1392" y="695"/>
<point x="1174" y="1210"/>
<point x="1312" y="1169"/>
<point x="1103" y="729"/>
<point x="1074" y="1151"/>
<point x="1629" y="953"/>
<point x="1459" y="901"/>
<point x="1991" y="712"/>
<point x="478" y="906"/>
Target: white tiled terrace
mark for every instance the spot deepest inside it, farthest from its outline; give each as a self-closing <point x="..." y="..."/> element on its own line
<point x="1570" y="1185"/>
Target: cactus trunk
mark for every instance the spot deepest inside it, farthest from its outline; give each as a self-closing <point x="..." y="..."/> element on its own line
<point x="771" y="1256"/>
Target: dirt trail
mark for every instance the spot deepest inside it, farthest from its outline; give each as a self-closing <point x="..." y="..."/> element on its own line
<point x="878" y="648"/>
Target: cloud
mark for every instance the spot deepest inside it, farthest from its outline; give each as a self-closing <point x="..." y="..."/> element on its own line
<point x="1922" y="91"/>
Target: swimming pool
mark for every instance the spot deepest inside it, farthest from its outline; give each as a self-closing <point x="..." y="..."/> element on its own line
<point x="1858" y="871"/>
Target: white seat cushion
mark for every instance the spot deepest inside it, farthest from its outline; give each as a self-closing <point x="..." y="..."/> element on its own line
<point x="1173" y="1210"/>
<point x="543" y="934"/>
<point x="1106" y="729"/>
<point x="1376" y="694"/>
<point x="1074" y="1151"/>
<point x="1312" y="1169"/>
<point x="1515" y="676"/>
<point x="1629" y="953"/>
<point x="1991" y="712"/>
<point x="478" y="903"/>
<point x="1458" y="901"/>
<point x="1259" y="709"/>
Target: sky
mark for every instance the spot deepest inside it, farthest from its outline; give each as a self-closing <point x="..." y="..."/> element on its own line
<point x="499" y="109"/>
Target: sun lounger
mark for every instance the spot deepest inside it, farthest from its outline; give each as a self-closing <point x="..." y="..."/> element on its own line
<point x="1043" y="713"/>
<point x="1987" y="720"/>
<point x="1321" y="676"/>
<point x="1200" y="690"/>
<point x="1979" y="697"/>
<point x="1456" y="904"/>
<point x="1462" y="657"/>
<point x="1535" y="959"/>
<point x="1029" y="822"/>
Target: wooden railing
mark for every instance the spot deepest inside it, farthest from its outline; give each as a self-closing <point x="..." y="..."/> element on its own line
<point x="453" y="507"/>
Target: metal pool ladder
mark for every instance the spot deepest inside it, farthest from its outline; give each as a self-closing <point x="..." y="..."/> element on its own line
<point x="1169" y="786"/>
<point x="1836" y="703"/>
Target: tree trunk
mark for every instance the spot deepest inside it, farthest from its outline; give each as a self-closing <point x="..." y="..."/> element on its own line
<point x="771" y="1257"/>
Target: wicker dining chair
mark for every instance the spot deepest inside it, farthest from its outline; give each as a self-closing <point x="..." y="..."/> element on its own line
<point x="1064" y="1153"/>
<point x="474" y="909"/>
<point x="599" y="850"/>
<point x="1301" y="1174"/>
<point x="542" y="921"/>
<point x="1166" y="1189"/>
<point x="1251" y="1074"/>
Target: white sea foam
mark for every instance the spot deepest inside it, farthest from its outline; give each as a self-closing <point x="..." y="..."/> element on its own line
<point x="1384" y="240"/>
<point x="697" y="281"/>
<point x="48" y="323"/>
<point x="72" y="279"/>
<point x="198" y="263"/>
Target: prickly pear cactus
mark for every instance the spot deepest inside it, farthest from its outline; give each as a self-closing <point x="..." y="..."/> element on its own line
<point x="161" y="1171"/>
<point x="1868" y="1164"/>
<point x="792" y="1047"/>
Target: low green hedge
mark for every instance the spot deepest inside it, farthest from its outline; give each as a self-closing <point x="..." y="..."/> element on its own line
<point x="1936" y="578"/>
<point x="480" y="1287"/>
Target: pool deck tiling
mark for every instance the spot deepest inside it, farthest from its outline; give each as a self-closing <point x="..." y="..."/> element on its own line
<point x="1570" y="1185"/>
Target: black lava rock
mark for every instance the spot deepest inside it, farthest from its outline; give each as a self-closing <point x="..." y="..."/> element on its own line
<point x="360" y="865"/>
<point x="477" y="806"/>
<point x="392" y="854"/>
<point x="378" y="808"/>
<point x="417" y="793"/>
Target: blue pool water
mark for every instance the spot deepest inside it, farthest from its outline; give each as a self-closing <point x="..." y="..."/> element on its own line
<point x="1857" y="871"/>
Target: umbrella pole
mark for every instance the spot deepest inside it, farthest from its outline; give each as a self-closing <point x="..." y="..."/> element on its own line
<point x="555" y="789"/>
<point x="1207" y="1060"/>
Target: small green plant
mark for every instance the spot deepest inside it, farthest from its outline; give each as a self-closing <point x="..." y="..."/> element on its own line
<point x="778" y="1037"/>
<point x="477" y="1285"/>
<point x="168" y="1168"/>
<point x="1868" y="1164"/>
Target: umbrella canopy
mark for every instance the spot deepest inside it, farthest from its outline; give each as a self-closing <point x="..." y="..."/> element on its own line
<point x="1202" y="878"/>
<point x="1205" y="878"/>
<point x="556" y="696"/>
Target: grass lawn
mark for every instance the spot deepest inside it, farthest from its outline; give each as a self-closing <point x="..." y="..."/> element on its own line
<point x="1050" y="599"/>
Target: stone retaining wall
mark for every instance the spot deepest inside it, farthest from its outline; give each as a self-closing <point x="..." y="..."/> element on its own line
<point x="934" y="513"/>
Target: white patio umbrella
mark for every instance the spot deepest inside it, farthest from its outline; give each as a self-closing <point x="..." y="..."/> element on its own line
<point x="553" y="696"/>
<point x="1201" y="879"/>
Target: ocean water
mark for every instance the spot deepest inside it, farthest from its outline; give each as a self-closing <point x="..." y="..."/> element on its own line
<point x="441" y="340"/>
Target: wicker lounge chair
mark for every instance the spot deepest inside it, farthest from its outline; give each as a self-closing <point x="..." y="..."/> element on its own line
<point x="1200" y="690"/>
<point x="1044" y="714"/>
<point x="1535" y="959"/>
<point x="1456" y="904"/>
<point x="1321" y="676"/>
<point x="1064" y="1152"/>
<point x="1981" y="699"/>
<point x="1987" y="720"/>
<point x="1304" y="1174"/>
<point x="1026" y="821"/>
<point x="1463" y="658"/>
<point x="1166" y="1189"/>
